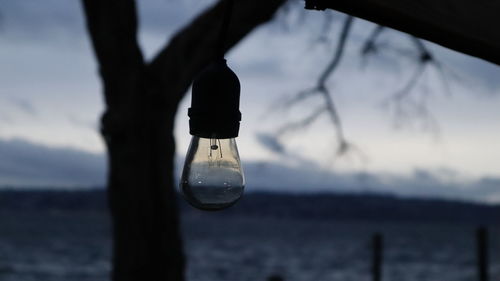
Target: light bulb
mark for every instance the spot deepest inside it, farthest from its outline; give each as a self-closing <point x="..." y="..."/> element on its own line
<point x="212" y="178"/>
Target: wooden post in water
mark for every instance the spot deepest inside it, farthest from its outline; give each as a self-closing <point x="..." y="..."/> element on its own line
<point x="377" y="241"/>
<point x="482" y="253"/>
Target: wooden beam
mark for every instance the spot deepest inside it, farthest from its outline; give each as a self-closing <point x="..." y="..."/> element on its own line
<point x="467" y="26"/>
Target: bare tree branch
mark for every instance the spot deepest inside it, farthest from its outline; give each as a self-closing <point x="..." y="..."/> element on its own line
<point x="326" y="27"/>
<point x="426" y="55"/>
<point x="321" y="89"/>
<point x="300" y="96"/>
<point x="399" y="95"/>
<point x="193" y="48"/>
<point x="370" y="46"/>
<point x="113" y="28"/>
<point x="303" y="123"/>
<point x="339" y="51"/>
<point x="407" y="108"/>
<point x="286" y="12"/>
<point x="404" y="104"/>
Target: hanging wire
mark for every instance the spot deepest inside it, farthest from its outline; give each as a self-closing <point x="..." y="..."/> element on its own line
<point x="224" y="29"/>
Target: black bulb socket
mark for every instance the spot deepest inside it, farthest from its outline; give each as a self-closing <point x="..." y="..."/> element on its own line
<point x="215" y="103"/>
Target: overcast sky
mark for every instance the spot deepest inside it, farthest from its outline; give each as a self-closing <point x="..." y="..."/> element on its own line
<point x="50" y="101"/>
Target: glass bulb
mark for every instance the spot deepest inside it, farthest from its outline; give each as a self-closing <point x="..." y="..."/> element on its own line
<point x="212" y="178"/>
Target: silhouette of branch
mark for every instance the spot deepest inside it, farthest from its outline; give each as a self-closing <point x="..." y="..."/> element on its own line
<point x="303" y="123"/>
<point x="370" y="46"/>
<point x="300" y="96"/>
<point x="339" y="51"/>
<point x="113" y="28"/>
<point x="193" y="48"/>
<point x="326" y="27"/>
<point x="320" y="89"/>
<point x="286" y="13"/>
<point x="407" y="108"/>
<point x="410" y="84"/>
<point x="428" y="56"/>
<point x="404" y="106"/>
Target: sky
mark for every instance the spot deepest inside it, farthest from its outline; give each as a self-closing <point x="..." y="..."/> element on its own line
<point x="50" y="103"/>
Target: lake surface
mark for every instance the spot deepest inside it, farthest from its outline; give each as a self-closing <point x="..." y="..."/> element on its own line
<point x="59" y="246"/>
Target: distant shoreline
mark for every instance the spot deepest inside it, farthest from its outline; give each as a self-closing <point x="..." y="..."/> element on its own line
<point x="324" y="206"/>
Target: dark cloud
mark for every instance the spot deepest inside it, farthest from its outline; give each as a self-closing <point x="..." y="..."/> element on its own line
<point x="54" y="18"/>
<point x="23" y="163"/>
<point x="37" y="20"/>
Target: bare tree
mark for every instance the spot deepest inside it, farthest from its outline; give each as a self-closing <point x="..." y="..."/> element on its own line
<point x="141" y="100"/>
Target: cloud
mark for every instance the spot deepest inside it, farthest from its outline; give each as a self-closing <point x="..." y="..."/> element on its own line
<point x="24" y="163"/>
<point x="38" y="21"/>
<point x="421" y="183"/>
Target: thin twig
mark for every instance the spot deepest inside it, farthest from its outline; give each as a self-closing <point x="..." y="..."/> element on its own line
<point x="303" y="123"/>
<point x="339" y="51"/>
<point x="405" y="107"/>
<point x="300" y="96"/>
<point x="326" y="27"/>
<point x="370" y="46"/>
<point x="321" y="89"/>
<point x="327" y="73"/>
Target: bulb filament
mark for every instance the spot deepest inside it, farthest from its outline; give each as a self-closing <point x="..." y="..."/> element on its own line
<point x="214" y="145"/>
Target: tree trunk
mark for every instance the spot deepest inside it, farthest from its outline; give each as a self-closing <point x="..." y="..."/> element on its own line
<point x="141" y="103"/>
<point x="147" y="245"/>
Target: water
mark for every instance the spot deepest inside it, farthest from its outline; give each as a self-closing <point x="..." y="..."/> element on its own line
<point x="75" y="246"/>
<point x="54" y="246"/>
<point x="211" y="198"/>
